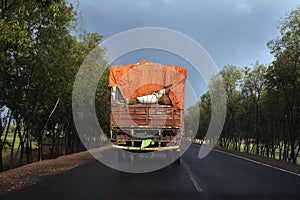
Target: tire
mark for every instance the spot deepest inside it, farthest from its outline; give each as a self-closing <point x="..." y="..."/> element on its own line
<point x="120" y="156"/>
<point x="177" y="162"/>
<point x="176" y="155"/>
<point x="128" y="158"/>
<point x="173" y="156"/>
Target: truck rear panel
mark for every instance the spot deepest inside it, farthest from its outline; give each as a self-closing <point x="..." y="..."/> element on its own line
<point x="132" y="124"/>
<point x="147" y="102"/>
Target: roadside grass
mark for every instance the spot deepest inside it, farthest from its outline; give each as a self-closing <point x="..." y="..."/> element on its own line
<point x="7" y="150"/>
<point x="9" y="140"/>
<point x="6" y="161"/>
<point x="242" y="149"/>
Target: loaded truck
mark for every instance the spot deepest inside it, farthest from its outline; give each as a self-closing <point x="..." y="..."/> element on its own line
<point x="147" y="108"/>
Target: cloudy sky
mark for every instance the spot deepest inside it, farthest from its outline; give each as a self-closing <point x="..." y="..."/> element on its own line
<point x="232" y="31"/>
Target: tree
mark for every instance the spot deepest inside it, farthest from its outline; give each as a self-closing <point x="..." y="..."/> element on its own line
<point x="232" y="76"/>
<point x="284" y="76"/>
<point x="39" y="59"/>
<point x="253" y="86"/>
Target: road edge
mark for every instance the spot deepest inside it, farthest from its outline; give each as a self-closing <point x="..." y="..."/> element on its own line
<point x="28" y="175"/>
<point x="269" y="162"/>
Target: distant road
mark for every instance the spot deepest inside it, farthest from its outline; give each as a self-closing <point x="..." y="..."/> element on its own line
<point x="218" y="176"/>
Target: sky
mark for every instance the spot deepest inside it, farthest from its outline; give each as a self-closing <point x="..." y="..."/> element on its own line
<point x="231" y="31"/>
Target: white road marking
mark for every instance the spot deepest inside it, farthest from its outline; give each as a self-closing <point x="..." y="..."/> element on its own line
<point x="191" y="176"/>
<point x="257" y="162"/>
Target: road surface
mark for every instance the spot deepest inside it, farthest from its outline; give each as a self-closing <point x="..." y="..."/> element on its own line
<point x="218" y="176"/>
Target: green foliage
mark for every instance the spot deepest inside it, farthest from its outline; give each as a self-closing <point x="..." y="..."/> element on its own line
<point x="192" y="113"/>
<point x="263" y="103"/>
<point x="103" y="102"/>
<point x="39" y="59"/>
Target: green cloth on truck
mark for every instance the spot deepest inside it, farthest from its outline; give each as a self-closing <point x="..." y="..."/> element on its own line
<point x="146" y="143"/>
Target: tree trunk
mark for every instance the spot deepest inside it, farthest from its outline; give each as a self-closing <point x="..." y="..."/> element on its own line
<point x="11" y="159"/>
<point x="2" y="142"/>
<point x="21" y="147"/>
<point x="1" y="162"/>
<point x="27" y="147"/>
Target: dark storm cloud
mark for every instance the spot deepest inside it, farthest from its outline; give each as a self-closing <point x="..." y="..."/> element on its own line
<point x="232" y="31"/>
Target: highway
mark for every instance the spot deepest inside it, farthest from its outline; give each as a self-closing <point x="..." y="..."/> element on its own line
<point x="218" y="176"/>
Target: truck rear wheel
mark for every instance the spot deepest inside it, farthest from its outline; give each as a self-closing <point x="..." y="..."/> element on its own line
<point x="126" y="157"/>
<point x="177" y="162"/>
<point x="120" y="156"/>
<point x="177" y="157"/>
<point x="173" y="156"/>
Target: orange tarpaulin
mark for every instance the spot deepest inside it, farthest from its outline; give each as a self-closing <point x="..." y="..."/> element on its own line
<point x="146" y="77"/>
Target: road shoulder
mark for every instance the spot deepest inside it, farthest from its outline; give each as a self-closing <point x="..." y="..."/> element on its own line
<point x="283" y="165"/>
<point x="28" y="175"/>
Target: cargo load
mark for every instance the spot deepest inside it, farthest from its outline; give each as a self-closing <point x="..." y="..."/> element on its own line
<point x="146" y="78"/>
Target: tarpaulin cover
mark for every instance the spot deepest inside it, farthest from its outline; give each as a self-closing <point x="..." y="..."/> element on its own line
<point x="146" y="77"/>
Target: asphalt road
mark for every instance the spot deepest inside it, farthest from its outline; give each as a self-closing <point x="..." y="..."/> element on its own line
<point x="218" y="176"/>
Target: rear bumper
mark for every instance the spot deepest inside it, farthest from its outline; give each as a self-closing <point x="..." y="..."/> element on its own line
<point x="146" y="148"/>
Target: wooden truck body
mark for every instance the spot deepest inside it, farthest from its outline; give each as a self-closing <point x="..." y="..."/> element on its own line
<point x="141" y="126"/>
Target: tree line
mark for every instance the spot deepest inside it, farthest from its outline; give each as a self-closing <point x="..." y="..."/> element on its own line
<point x="39" y="59"/>
<point x="263" y="101"/>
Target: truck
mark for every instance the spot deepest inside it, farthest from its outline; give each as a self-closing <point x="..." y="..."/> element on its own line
<point x="147" y="108"/>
